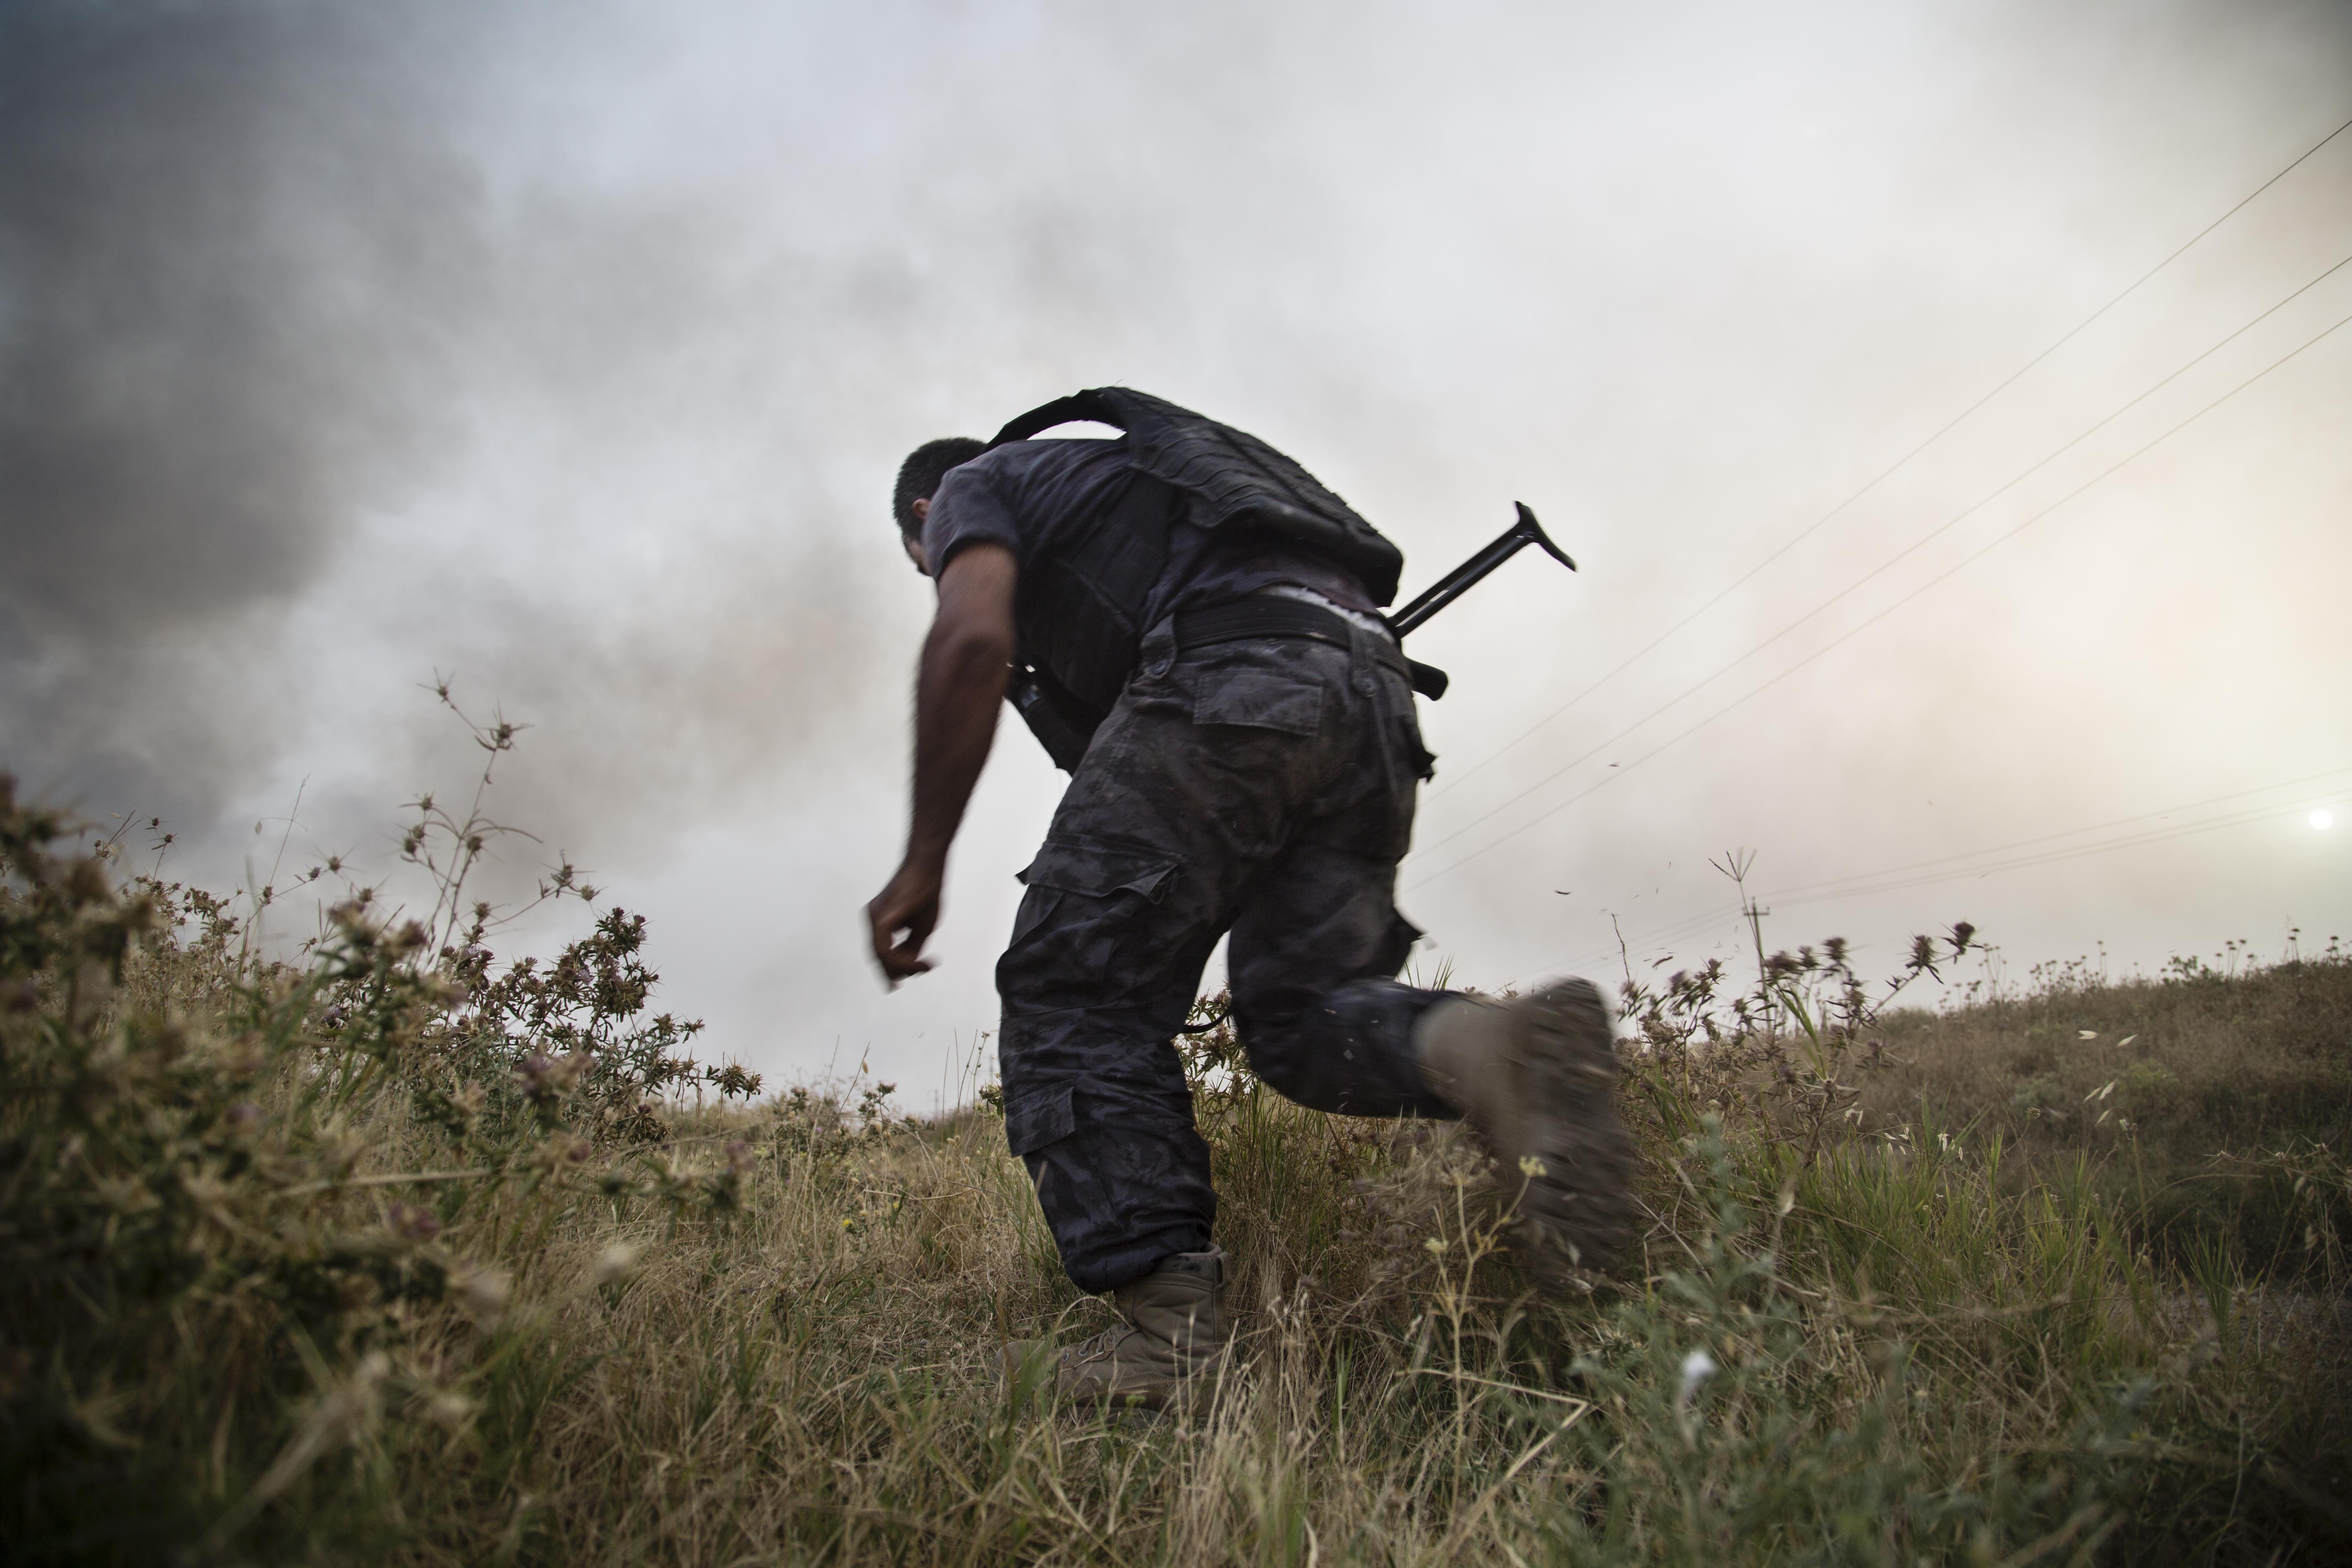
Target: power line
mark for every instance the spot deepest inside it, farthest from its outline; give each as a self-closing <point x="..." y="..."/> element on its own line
<point x="1809" y="892"/>
<point x="2053" y="856"/>
<point x="1884" y="474"/>
<point x="2076" y="852"/>
<point x="1831" y="891"/>
<point x="1837" y="642"/>
<point x="1887" y="565"/>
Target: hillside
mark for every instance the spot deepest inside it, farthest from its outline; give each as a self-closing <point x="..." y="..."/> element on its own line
<point x="404" y="1255"/>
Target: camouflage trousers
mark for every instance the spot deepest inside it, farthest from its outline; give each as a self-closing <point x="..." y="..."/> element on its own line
<point x="1262" y="788"/>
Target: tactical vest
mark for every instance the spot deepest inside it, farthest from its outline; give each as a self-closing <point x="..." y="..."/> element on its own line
<point x="1079" y="615"/>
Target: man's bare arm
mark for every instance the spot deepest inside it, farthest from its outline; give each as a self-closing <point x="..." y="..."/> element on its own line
<point x="967" y="662"/>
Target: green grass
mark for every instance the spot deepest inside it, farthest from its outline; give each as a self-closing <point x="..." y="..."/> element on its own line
<point x="389" y="1256"/>
<point x="2213" y="1109"/>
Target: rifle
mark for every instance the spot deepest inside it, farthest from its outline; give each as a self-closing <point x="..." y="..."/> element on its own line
<point x="1527" y="531"/>
<point x="1065" y="725"/>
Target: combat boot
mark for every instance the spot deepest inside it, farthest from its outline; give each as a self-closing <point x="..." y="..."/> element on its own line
<point x="1168" y="1350"/>
<point x="1536" y="1076"/>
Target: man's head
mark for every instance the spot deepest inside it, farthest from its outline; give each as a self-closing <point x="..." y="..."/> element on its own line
<point x="918" y="481"/>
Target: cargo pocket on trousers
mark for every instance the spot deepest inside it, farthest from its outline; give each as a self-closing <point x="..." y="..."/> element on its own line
<point x="1075" y="863"/>
<point x="1090" y="927"/>
<point x="1039" y="1119"/>
<point x="1036" y="905"/>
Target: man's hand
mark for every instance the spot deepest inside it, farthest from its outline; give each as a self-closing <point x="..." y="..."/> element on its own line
<point x="967" y="661"/>
<point x="909" y="904"/>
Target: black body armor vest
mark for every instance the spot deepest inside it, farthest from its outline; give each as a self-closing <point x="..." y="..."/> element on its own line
<point x="1079" y="615"/>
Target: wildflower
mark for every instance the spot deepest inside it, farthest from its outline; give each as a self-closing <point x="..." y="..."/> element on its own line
<point x="484" y="1290"/>
<point x="450" y="1408"/>
<point x="563" y="1148"/>
<point x="544" y="1077"/>
<point x="732" y="1080"/>
<point x="1697" y="1367"/>
<point x="614" y="1262"/>
<point x="1532" y="1168"/>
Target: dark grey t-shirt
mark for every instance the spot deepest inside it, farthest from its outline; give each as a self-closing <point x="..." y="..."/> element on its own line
<point x="1031" y="497"/>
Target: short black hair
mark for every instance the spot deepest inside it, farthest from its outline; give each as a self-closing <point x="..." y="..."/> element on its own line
<point x="926" y="466"/>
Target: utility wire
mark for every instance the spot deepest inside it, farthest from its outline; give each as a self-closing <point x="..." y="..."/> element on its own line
<point x="1837" y="642"/>
<point x="2053" y="856"/>
<point x="1953" y="868"/>
<point x="1887" y="472"/>
<point x="1827" y="892"/>
<point x="1830" y="886"/>
<point x="1915" y="545"/>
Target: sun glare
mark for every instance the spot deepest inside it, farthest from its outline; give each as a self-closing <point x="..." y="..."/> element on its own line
<point x="2323" y="820"/>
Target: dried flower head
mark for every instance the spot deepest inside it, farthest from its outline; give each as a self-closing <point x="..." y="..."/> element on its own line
<point x="614" y="1262"/>
<point x="482" y="1288"/>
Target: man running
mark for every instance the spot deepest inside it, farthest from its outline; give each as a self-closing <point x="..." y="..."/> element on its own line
<point x="1188" y="621"/>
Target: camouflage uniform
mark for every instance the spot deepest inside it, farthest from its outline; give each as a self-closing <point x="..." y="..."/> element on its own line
<point x="1263" y="787"/>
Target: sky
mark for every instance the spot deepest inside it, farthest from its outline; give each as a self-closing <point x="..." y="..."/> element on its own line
<point x="1961" y="511"/>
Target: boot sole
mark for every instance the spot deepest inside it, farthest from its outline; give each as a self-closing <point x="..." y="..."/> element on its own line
<point x="1579" y="1214"/>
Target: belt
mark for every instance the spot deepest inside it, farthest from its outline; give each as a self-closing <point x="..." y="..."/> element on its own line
<point x="1275" y="615"/>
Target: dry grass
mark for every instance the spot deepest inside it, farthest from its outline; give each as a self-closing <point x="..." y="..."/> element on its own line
<point x="2214" y="1105"/>
<point x="379" y="1259"/>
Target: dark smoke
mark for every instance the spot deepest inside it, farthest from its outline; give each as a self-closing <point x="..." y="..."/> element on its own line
<point x="235" y="252"/>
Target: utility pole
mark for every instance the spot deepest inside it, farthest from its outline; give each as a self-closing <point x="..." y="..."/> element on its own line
<point x="1735" y="863"/>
